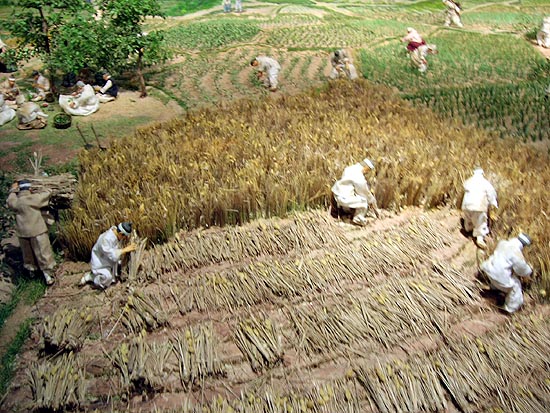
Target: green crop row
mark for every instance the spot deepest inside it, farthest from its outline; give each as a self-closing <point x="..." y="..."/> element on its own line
<point x="463" y="59"/>
<point x="519" y="110"/>
<point x="209" y="34"/>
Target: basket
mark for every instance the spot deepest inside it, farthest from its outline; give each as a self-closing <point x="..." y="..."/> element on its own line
<point x="62" y="121"/>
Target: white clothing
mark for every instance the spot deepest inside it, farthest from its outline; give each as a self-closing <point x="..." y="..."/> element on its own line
<point x="418" y="56"/>
<point x="342" y="66"/>
<point x="503" y="267"/>
<point x="85" y="103"/>
<point x="6" y="113"/>
<point x="29" y="111"/>
<point x="479" y="194"/>
<point x="543" y="36"/>
<point x="42" y="86"/>
<point x="238" y="6"/>
<point x="452" y="14"/>
<point x="352" y="191"/>
<point x="106" y="255"/>
<point x="271" y="67"/>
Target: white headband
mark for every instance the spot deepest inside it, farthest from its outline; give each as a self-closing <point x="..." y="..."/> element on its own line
<point x="122" y="230"/>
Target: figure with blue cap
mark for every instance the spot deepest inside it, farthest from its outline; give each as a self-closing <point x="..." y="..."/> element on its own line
<point x="106" y="255"/>
<point x="504" y="267"/>
<point x="479" y="195"/>
<point x="352" y="193"/>
<point x="31" y="229"/>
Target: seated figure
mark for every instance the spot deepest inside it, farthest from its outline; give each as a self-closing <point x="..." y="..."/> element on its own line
<point x="82" y="102"/>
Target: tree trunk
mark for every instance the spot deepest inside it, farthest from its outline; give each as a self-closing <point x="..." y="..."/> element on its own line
<point x="140" y="74"/>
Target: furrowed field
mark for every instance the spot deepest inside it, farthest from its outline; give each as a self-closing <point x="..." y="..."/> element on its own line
<point x="244" y="294"/>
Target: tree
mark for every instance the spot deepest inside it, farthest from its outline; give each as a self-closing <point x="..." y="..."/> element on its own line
<point x="125" y="43"/>
<point x="60" y="32"/>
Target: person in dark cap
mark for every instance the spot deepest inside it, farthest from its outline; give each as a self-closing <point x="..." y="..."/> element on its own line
<point x="505" y="266"/>
<point x="109" y="91"/>
<point x="106" y="255"/>
<point x="31" y="228"/>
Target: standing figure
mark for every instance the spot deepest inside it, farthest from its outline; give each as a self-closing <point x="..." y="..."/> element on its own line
<point x="29" y="114"/>
<point x="109" y="91"/>
<point x="10" y="90"/>
<point x="505" y="266"/>
<point x="452" y="14"/>
<point x="479" y="195"/>
<point x="41" y="85"/>
<point x="31" y="228"/>
<point x="226" y="6"/>
<point x="6" y="113"/>
<point x="342" y="65"/>
<point x="238" y="6"/>
<point x="543" y="36"/>
<point x="352" y="194"/>
<point x="268" y="71"/>
<point x="413" y="39"/>
<point x="106" y="255"/>
<point x="82" y="102"/>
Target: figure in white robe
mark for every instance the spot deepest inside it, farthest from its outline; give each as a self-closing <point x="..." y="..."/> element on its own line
<point x="83" y="103"/>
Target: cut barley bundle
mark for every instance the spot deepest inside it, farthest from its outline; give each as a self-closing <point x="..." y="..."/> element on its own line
<point x="143" y="311"/>
<point x="143" y="366"/>
<point x="259" y="340"/>
<point x="65" y="330"/>
<point x="186" y="251"/>
<point x="58" y="384"/>
<point x="196" y="351"/>
<point x="62" y="188"/>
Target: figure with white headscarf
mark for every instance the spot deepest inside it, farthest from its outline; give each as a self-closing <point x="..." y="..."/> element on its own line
<point x="479" y="195"/>
<point x="82" y="102"/>
<point x="106" y="255"/>
<point x="352" y="193"/>
<point x="503" y="268"/>
<point x="413" y="39"/>
<point x="452" y="13"/>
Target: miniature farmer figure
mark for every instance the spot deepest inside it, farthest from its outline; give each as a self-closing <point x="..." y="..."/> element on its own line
<point x="106" y="255"/>
<point x="505" y="266"/>
<point x="543" y="36"/>
<point x="6" y="113"/>
<point x="29" y="114"/>
<point x="479" y="195"/>
<point x="10" y="90"/>
<point x="268" y="71"/>
<point x="342" y="65"/>
<point x="31" y="228"/>
<point x="413" y="39"/>
<point x="352" y="193"/>
<point x="226" y="6"/>
<point x="452" y="13"/>
<point x="420" y="54"/>
<point x="42" y="86"/>
<point x="82" y="102"/>
<point x="109" y="91"/>
<point x="238" y="6"/>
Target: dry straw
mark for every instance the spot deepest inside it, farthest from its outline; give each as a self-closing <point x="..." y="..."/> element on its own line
<point x="263" y="159"/>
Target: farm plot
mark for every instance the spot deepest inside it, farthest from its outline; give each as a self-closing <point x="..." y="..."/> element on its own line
<point x="323" y="295"/>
